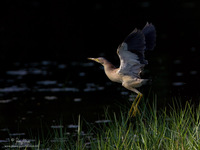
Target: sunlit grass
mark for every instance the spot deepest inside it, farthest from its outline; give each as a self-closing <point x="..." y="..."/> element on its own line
<point x="172" y="128"/>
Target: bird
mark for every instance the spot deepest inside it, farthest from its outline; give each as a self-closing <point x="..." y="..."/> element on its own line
<point x="131" y="53"/>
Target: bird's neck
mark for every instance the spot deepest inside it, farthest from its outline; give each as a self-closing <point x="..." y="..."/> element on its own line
<point x="108" y="66"/>
<point x="111" y="72"/>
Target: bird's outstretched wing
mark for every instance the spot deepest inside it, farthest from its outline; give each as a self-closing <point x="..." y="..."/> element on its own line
<point x="149" y="32"/>
<point x="131" y="51"/>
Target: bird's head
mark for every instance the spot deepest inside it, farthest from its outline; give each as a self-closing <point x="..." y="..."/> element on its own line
<point x="100" y="60"/>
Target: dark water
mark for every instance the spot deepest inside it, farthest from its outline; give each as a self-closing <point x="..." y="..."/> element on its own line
<point x="45" y="92"/>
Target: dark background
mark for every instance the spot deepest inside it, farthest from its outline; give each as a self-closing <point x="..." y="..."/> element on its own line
<point x="74" y="30"/>
<point x="78" y="29"/>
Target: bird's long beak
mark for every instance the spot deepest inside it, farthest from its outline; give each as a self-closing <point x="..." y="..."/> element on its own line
<point x="94" y="59"/>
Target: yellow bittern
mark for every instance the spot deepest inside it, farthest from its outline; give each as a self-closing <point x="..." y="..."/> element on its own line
<point x="132" y="61"/>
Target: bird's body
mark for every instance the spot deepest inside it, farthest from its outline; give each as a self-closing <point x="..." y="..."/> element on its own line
<point x="132" y="61"/>
<point x="128" y="81"/>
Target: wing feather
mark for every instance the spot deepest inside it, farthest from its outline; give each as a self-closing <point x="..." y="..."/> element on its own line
<point x="135" y="41"/>
<point x="149" y="32"/>
<point x="129" y="62"/>
<point x="131" y="51"/>
<point x="131" y="54"/>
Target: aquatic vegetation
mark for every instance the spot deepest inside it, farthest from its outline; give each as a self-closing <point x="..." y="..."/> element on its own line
<point x="175" y="127"/>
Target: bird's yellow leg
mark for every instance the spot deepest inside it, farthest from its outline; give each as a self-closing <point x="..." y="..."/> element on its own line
<point x="136" y="106"/>
<point x="133" y="105"/>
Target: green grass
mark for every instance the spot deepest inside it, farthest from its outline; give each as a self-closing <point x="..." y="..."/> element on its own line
<point x="172" y="128"/>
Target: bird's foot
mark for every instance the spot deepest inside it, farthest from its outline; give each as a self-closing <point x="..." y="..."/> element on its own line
<point x="134" y="108"/>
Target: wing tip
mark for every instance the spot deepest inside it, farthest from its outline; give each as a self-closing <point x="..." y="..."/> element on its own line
<point x="149" y="26"/>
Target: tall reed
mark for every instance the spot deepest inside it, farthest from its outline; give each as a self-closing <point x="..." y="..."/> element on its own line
<point x="172" y="128"/>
